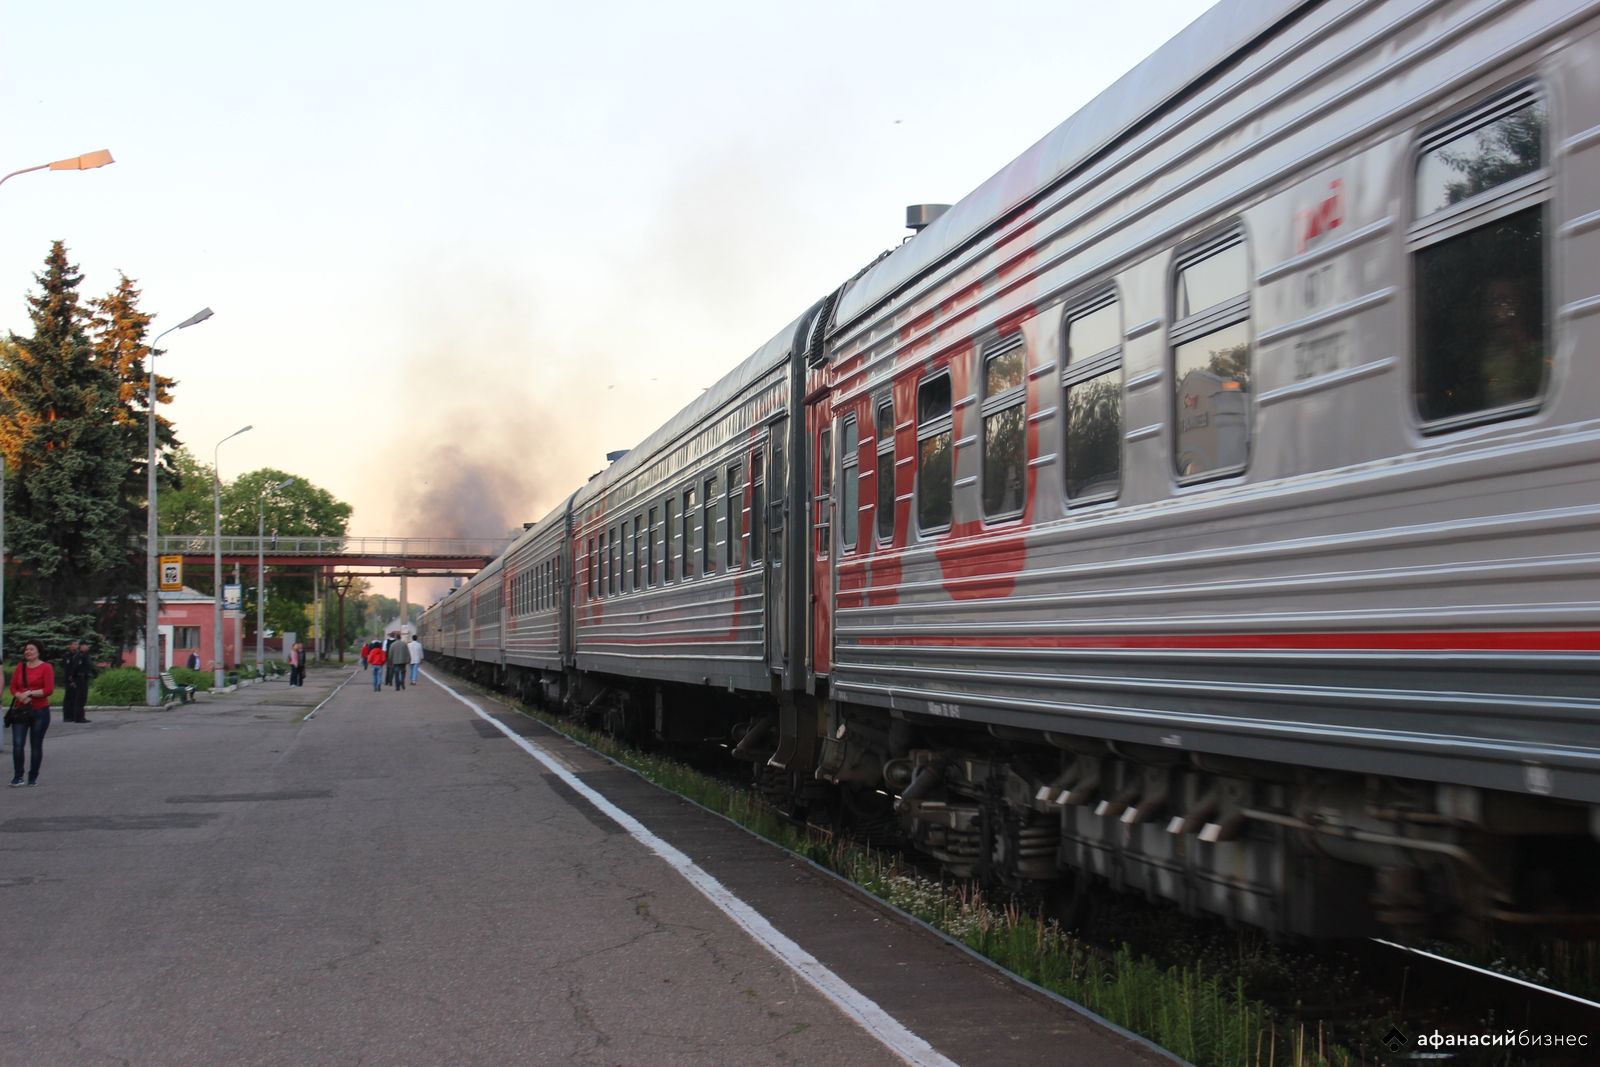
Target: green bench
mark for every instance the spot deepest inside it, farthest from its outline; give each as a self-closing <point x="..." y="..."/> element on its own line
<point x="170" y="689"/>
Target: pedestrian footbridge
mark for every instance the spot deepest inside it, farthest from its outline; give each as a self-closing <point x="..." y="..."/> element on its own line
<point x="427" y="556"/>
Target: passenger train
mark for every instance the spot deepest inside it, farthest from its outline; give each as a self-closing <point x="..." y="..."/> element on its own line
<point x="1207" y="505"/>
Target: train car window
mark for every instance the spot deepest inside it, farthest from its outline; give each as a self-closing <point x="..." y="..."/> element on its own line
<point x="850" y="484"/>
<point x="613" y="560"/>
<point x="735" y="510"/>
<point x="638" y="552"/>
<point x="589" y="562"/>
<point x="669" y="529"/>
<point x="708" y="527"/>
<point x="651" y="528"/>
<point x="1215" y="279"/>
<point x="604" y="567"/>
<point x="688" y="533"/>
<point x="757" y="501"/>
<point x="824" y="489"/>
<point x="780" y="489"/>
<point x="1093" y="389"/>
<point x="884" y="474"/>
<point x="933" y="455"/>
<point x="1211" y="360"/>
<point x="624" y="558"/>
<point x="1479" y="256"/>
<point x="1005" y="452"/>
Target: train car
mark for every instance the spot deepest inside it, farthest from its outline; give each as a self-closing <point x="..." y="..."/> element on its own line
<point x="537" y="568"/>
<point x="678" y="557"/>
<point x="1205" y="505"/>
<point x="1216" y="489"/>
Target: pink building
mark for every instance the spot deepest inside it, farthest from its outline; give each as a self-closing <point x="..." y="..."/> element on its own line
<point x="187" y="624"/>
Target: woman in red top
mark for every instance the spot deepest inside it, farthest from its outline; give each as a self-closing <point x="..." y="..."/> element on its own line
<point x="31" y="685"/>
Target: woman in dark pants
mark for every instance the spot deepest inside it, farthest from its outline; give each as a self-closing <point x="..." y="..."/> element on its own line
<point x="31" y="685"/>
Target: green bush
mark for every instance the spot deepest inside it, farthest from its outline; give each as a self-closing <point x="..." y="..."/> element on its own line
<point x="201" y="680"/>
<point x="120" y="687"/>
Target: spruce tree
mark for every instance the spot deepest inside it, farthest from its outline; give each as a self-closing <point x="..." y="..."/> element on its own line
<point x="67" y="452"/>
<point x="119" y="329"/>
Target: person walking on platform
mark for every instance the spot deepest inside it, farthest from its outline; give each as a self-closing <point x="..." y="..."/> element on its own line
<point x="375" y="660"/>
<point x="297" y="664"/>
<point x="77" y="670"/>
<point x="31" y="685"/>
<point x="414" y="654"/>
<point x="388" y="656"/>
<point x="399" y="658"/>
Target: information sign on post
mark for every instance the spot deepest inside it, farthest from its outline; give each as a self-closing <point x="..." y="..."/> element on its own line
<point x="171" y="574"/>
<point x="232" y="597"/>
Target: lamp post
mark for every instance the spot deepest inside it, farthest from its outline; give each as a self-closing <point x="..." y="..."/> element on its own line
<point x="152" y="591"/>
<point x="218" y="678"/>
<point x="261" y="562"/>
<point x="87" y="161"/>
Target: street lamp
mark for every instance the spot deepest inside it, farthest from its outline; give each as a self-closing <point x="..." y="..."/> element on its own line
<point x="152" y="591"/>
<point x="261" y="562"/>
<point x="87" y="161"/>
<point x="218" y="679"/>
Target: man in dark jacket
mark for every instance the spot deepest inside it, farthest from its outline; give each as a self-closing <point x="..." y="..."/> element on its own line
<point x="398" y="659"/>
<point x="77" y="670"/>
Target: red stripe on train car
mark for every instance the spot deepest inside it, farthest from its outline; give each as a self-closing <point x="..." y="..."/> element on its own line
<point x="1512" y="641"/>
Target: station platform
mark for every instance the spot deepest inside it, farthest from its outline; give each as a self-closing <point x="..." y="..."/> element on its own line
<point x="329" y="874"/>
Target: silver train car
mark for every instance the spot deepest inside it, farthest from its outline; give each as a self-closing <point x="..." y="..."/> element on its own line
<point x="1206" y="505"/>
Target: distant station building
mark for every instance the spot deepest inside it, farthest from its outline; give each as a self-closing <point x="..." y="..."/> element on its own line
<point x="187" y="625"/>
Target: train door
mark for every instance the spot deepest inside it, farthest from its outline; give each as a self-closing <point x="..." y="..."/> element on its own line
<point x="775" y="530"/>
<point x="819" y="553"/>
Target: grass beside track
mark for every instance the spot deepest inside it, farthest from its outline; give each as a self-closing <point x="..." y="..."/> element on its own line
<point x="1203" y="1019"/>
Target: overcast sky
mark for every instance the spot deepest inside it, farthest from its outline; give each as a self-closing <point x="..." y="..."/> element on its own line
<point x="458" y="252"/>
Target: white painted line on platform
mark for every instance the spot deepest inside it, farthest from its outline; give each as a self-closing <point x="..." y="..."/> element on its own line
<point x="880" y="1024"/>
<point x="312" y="714"/>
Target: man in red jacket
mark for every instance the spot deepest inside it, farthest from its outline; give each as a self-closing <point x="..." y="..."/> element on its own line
<point x="375" y="659"/>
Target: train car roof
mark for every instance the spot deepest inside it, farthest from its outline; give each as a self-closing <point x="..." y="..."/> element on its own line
<point x="1205" y="45"/>
<point x="698" y="412"/>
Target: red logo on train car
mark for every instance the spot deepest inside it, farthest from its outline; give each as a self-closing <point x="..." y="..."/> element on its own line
<point x="1322" y="219"/>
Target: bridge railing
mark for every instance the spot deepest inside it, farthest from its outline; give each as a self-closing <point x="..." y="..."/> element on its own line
<point x="283" y="545"/>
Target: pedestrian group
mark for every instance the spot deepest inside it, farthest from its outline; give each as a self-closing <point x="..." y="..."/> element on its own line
<point x="392" y="660"/>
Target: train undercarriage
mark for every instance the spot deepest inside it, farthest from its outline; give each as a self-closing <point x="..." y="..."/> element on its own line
<point x="1291" y="850"/>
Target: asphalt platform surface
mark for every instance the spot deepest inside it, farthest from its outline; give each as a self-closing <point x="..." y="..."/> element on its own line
<point x="398" y="880"/>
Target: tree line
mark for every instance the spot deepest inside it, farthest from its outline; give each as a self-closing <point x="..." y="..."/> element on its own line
<point x="74" y="410"/>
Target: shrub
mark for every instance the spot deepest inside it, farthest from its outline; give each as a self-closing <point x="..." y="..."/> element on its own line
<point x="201" y="680"/>
<point x="120" y="687"/>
